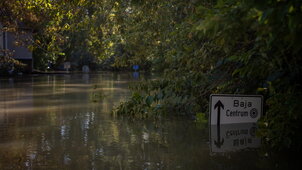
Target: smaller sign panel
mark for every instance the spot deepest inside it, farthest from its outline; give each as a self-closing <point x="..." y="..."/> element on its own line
<point x="135" y="67"/>
<point x="228" y="109"/>
<point x="85" y="69"/>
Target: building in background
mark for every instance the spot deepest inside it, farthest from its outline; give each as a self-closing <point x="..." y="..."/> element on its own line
<point x="3" y="41"/>
<point x="15" y="44"/>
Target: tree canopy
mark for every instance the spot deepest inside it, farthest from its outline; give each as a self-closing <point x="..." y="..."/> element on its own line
<point x="78" y="30"/>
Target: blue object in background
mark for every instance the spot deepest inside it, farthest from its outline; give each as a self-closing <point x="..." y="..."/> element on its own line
<point x="135" y="75"/>
<point x="135" y="67"/>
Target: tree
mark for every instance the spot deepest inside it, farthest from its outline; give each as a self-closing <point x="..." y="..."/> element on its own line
<point x="64" y="30"/>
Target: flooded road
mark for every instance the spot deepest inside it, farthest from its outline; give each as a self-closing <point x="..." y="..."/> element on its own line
<point x="65" y="122"/>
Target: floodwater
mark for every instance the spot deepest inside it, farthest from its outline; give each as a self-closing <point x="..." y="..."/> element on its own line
<point x="65" y="122"/>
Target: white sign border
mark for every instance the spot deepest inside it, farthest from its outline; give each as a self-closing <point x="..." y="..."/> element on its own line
<point x="229" y="95"/>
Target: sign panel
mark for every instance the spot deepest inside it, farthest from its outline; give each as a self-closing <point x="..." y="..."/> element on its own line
<point x="228" y="109"/>
<point x="233" y="137"/>
<point x="67" y="65"/>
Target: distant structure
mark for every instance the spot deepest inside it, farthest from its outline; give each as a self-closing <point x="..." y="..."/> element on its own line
<point x="15" y="44"/>
<point x="67" y="65"/>
<point x="85" y="69"/>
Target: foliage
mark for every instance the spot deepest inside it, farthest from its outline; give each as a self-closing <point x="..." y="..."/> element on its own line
<point x="79" y="31"/>
<point x="228" y="46"/>
<point x="7" y="63"/>
<point x="182" y="54"/>
<point x="265" y="52"/>
<point x="282" y="123"/>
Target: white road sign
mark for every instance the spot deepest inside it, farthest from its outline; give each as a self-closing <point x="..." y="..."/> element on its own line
<point x="228" y="109"/>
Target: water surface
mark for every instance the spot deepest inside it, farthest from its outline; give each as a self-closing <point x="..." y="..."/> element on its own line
<point x="64" y="122"/>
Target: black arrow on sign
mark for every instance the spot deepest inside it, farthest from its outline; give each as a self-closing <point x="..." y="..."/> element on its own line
<point x="218" y="105"/>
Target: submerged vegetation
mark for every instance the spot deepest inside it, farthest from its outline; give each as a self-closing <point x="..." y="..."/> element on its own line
<point x="201" y="47"/>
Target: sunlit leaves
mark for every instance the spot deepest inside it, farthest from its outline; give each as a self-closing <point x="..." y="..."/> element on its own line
<point x="79" y="28"/>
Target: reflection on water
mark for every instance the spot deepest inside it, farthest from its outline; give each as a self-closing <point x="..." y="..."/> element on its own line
<point x="50" y="122"/>
<point x="233" y="137"/>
